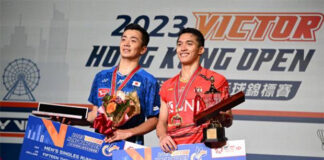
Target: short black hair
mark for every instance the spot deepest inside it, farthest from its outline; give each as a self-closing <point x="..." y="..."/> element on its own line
<point x="195" y="32"/>
<point x="145" y="35"/>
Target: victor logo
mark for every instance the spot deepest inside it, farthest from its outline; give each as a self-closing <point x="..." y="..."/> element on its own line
<point x="259" y="26"/>
<point x="57" y="137"/>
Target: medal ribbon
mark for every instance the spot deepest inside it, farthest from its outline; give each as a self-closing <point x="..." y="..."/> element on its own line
<point x="114" y="79"/>
<point x="185" y="91"/>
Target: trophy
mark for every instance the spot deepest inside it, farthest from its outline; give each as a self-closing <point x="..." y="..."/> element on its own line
<point x="210" y="106"/>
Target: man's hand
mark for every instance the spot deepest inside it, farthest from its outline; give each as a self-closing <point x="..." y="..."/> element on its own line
<point x="225" y="118"/>
<point x="62" y="120"/>
<point x="167" y="144"/>
<point x="70" y="121"/>
<point x="119" y="135"/>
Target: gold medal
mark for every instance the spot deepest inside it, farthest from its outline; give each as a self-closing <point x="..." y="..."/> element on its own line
<point x="176" y="120"/>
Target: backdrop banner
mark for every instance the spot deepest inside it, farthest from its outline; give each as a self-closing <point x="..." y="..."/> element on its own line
<point x="269" y="49"/>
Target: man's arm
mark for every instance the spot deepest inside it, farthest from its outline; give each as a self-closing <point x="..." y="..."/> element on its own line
<point x="166" y="142"/>
<point x="122" y="134"/>
<point x="92" y="114"/>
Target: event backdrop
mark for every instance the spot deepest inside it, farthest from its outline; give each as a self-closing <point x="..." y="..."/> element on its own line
<point x="270" y="49"/>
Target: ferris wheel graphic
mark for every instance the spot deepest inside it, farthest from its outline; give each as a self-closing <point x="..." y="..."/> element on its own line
<point x="20" y="78"/>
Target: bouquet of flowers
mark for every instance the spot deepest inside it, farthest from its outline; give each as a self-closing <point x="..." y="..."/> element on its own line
<point x="116" y="110"/>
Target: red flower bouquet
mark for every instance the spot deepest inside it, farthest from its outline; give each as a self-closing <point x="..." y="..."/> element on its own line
<point x="116" y="110"/>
